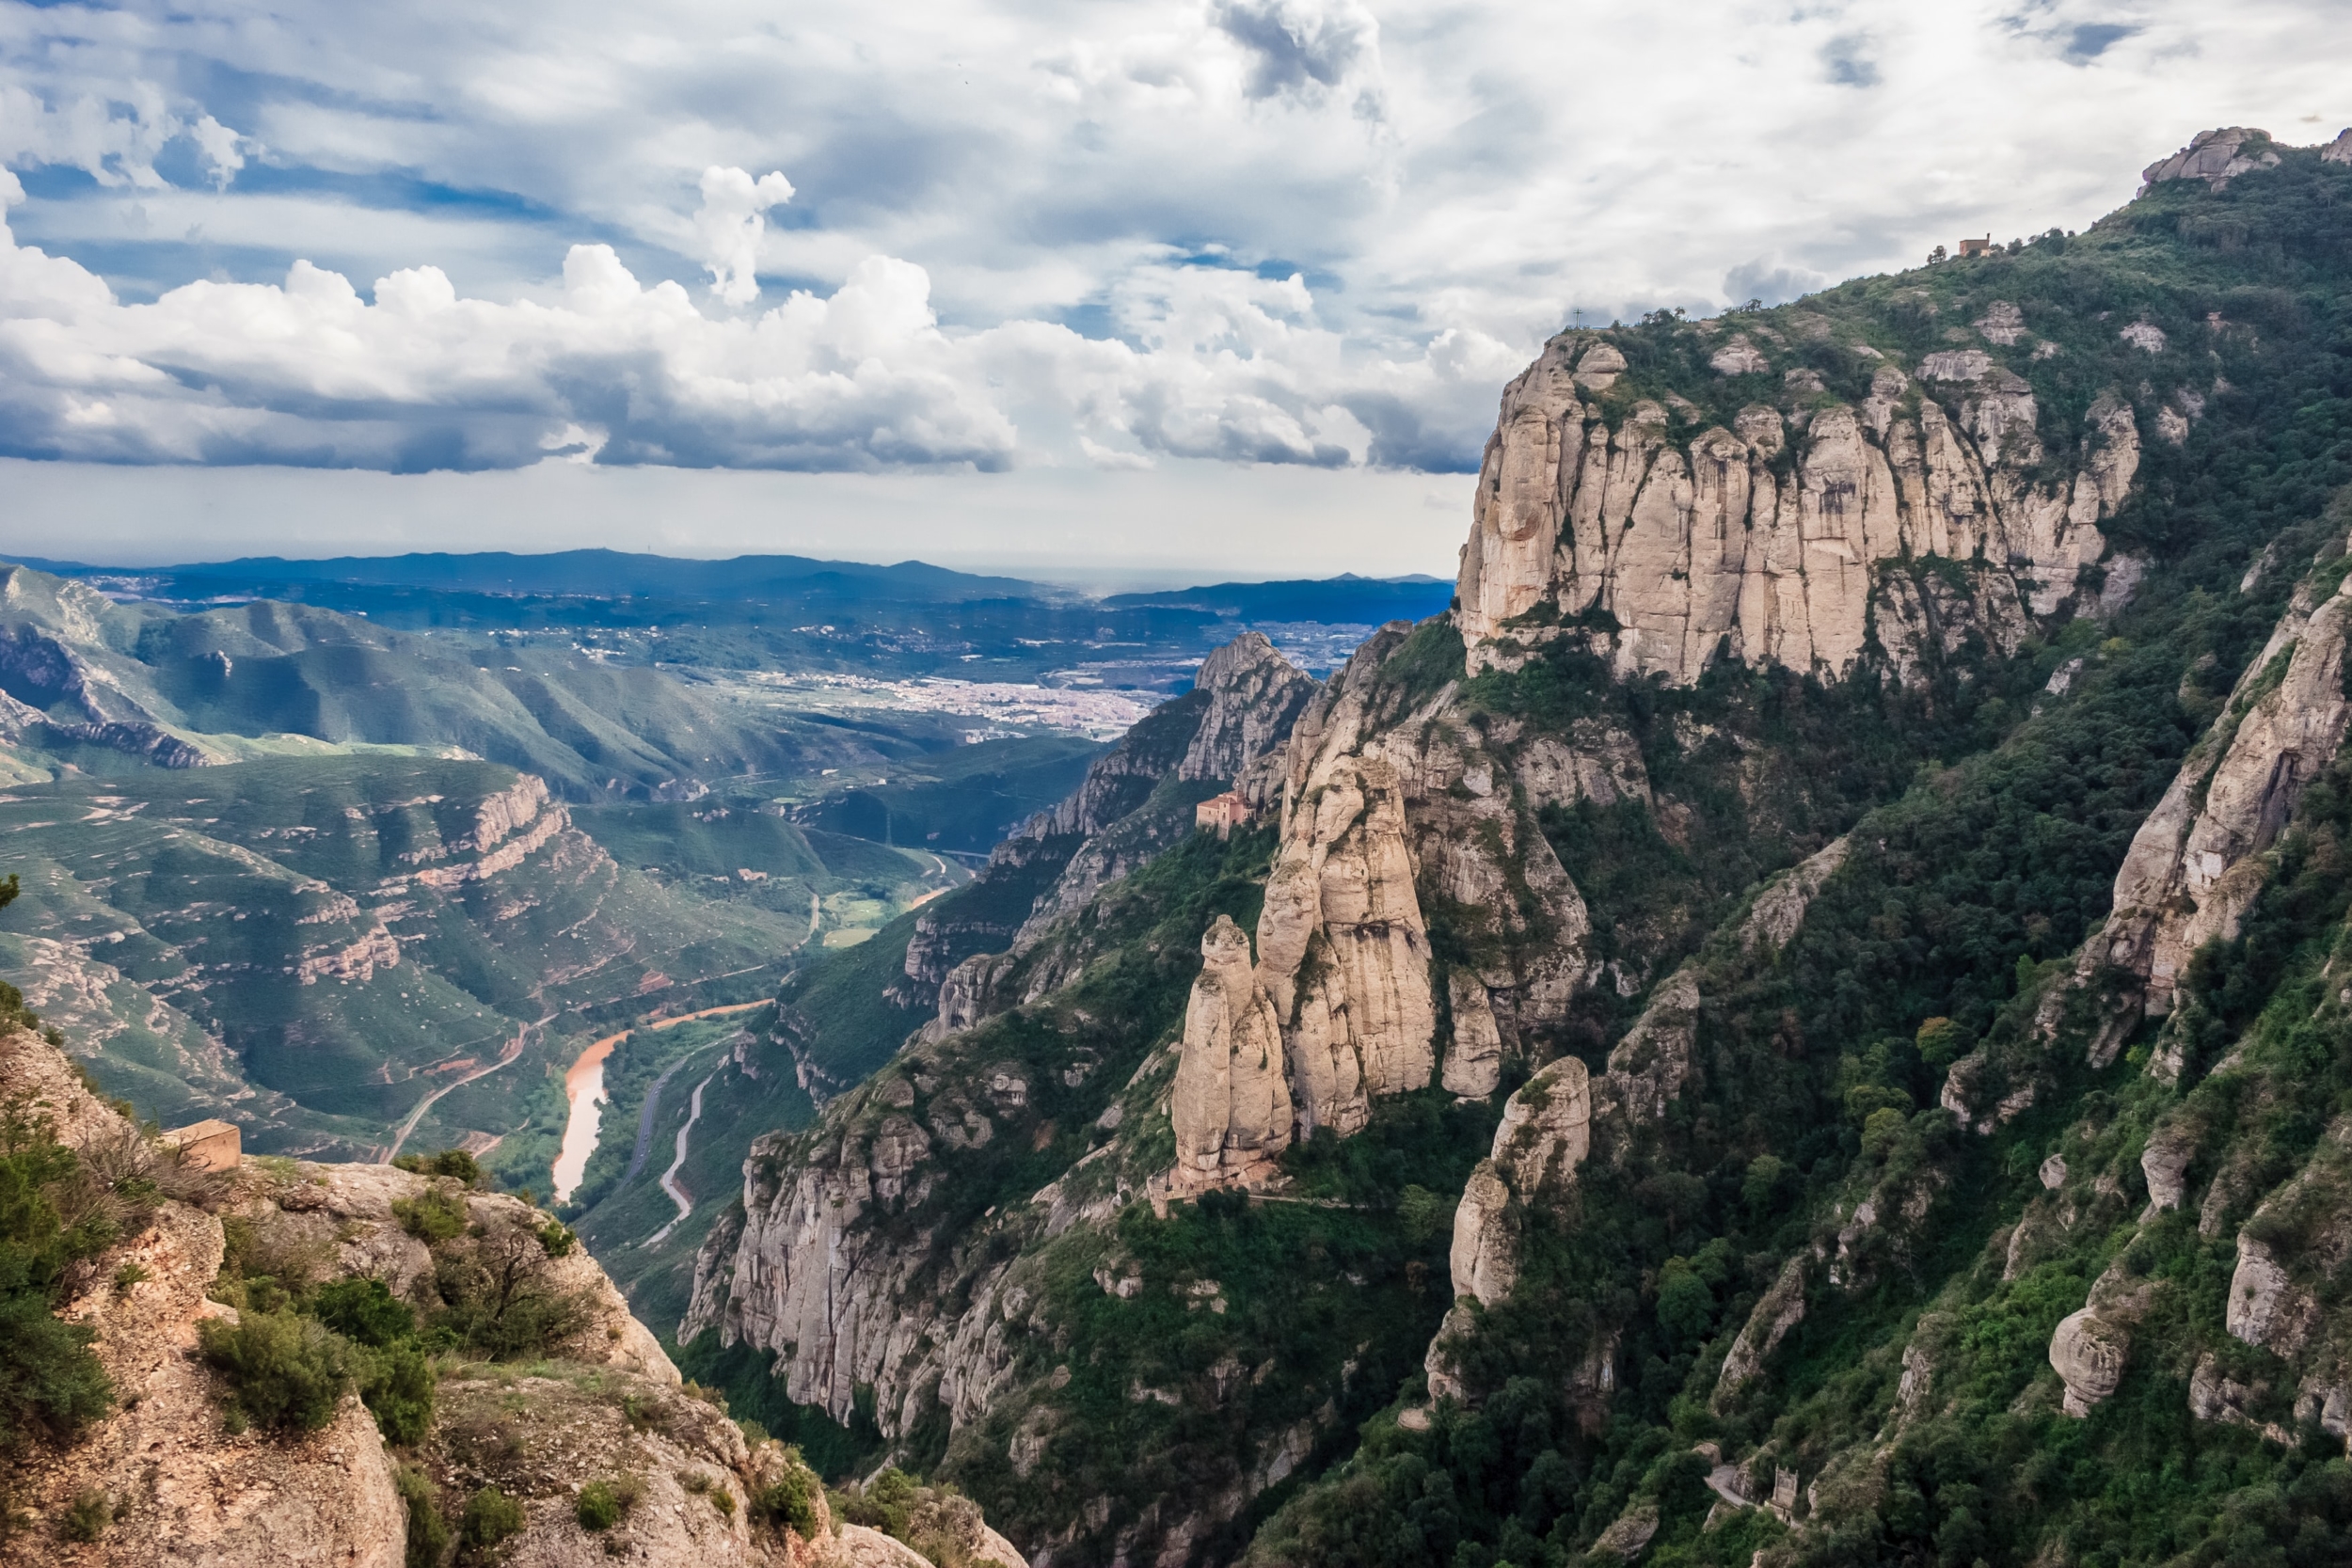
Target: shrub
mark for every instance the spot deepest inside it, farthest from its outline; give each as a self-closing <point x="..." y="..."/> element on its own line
<point x="603" y="1503"/>
<point x="1423" y="1214"/>
<point x="886" y="1503"/>
<point x="489" y="1518"/>
<point x="501" y="1304"/>
<point x="365" y="1312"/>
<point x="128" y="1274"/>
<point x="557" y="1239"/>
<point x="1685" y="1305"/>
<point x="48" y="1376"/>
<point x="432" y="1216"/>
<point x="87" y="1516"/>
<point x="397" y="1384"/>
<point x="1882" y="1130"/>
<point x="454" y="1162"/>
<point x="55" y="1210"/>
<point x="428" y="1534"/>
<point x="1939" y="1040"/>
<point x="284" y="1371"/>
<point x="786" y="1502"/>
<point x="265" y="1264"/>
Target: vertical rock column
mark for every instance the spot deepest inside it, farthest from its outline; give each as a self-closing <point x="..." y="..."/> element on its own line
<point x="1343" y="952"/>
<point x="1231" y="1105"/>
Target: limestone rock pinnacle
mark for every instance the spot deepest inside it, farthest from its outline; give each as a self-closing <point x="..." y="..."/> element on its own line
<point x="1231" y="1104"/>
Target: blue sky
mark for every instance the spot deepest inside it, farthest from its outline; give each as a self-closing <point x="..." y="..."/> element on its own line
<point x="457" y="268"/>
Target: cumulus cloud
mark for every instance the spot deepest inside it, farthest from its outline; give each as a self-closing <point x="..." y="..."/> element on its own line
<point x="1302" y="47"/>
<point x="308" y="372"/>
<point x="604" y="368"/>
<point x="1142" y="232"/>
<point x="112" y="138"/>
<point x="730" y="225"/>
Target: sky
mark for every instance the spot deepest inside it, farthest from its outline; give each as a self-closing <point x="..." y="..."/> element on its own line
<point x="1109" y="291"/>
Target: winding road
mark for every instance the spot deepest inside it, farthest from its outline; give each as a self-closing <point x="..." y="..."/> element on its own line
<point x="669" y="1178"/>
<point x="514" y="1048"/>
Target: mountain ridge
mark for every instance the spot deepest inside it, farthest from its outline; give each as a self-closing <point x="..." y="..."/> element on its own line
<point x="1695" y="978"/>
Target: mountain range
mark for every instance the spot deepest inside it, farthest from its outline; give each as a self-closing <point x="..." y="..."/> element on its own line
<point x="1792" y="1026"/>
<point x="1796" y="1021"/>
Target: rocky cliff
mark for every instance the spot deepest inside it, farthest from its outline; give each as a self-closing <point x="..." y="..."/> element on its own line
<point x="1136" y="801"/>
<point x="1763" y="541"/>
<point x="1801" y="1024"/>
<point x="171" y="1474"/>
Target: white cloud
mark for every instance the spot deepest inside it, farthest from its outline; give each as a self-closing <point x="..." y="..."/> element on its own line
<point x="1310" y="232"/>
<point x="86" y="131"/>
<point x="223" y="150"/>
<point x="1224" y="365"/>
<point x="730" y="225"/>
<point x="308" y="372"/>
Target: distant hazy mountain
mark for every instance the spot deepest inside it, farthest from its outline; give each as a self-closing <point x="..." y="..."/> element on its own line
<point x="1347" y="599"/>
<point x="592" y="574"/>
<point x="615" y="575"/>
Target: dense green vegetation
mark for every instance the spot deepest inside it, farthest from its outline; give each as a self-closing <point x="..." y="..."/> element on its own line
<point x="1988" y="819"/>
<point x="50" y="1218"/>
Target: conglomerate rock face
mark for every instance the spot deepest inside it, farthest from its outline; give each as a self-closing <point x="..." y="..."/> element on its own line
<point x="1231" y="1104"/>
<point x="1342" y="891"/>
<point x="2195" y="865"/>
<point x="1227" y="730"/>
<point x="1254" y="696"/>
<point x="1694" y="543"/>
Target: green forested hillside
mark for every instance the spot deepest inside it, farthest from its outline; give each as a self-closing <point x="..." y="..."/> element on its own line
<point x="1953" y="1079"/>
<point x="316" y="946"/>
<point x="1915" y="1397"/>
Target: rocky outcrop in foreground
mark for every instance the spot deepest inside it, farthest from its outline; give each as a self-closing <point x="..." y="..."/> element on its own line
<point x="182" y="1485"/>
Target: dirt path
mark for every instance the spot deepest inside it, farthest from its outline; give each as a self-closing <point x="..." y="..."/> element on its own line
<point x="514" y="1048"/>
<point x="645" y="1119"/>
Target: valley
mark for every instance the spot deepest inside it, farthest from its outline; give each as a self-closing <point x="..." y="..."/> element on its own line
<point x="1793" y="1015"/>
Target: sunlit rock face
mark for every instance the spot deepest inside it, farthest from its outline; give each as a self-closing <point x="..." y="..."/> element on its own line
<point x="1231" y="1104"/>
<point x="1343" y="949"/>
<point x="2197" y="865"/>
<point x="1696" y="542"/>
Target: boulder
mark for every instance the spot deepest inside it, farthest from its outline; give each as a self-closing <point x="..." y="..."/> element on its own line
<point x="1781" y="1310"/>
<point x="2217" y="157"/>
<point x="2089" y="1354"/>
<point x="2165" y="1164"/>
<point x="1484" y="1258"/>
<point x="2266" y="1307"/>
<point x="1473" y="1063"/>
<point x="1648" y="1068"/>
<point x="1546" y="1131"/>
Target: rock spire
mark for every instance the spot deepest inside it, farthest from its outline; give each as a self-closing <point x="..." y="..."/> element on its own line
<point x="1231" y="1104"/>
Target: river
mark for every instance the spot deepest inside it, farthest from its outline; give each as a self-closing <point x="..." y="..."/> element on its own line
<point x="583" y="1088"/>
